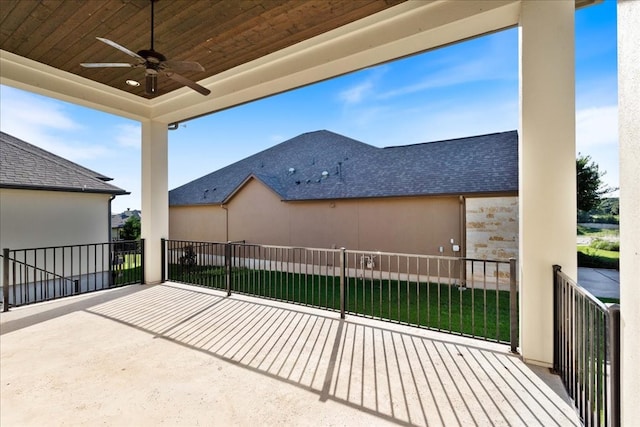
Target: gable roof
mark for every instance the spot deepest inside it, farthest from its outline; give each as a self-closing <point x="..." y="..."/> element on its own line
<point x="118" y="220"/>
<point x="26" y="166"/>
<point x="294" y="169"/>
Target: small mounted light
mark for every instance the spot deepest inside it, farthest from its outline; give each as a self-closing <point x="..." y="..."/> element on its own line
<point x="133" y="83"/>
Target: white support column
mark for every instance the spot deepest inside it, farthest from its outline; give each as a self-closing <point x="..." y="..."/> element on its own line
<point x="547" y="170"/>
<point x="155" y="195"/>
<point x="629" y="140"/>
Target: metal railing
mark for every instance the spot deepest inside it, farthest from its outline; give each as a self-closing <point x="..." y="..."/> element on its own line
<point x="587" y="351"/>
<point x="42" y="274"/>
<point x="476" y="298"/>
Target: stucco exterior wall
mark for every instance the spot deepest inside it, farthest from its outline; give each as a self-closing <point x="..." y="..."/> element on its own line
<point x="199" y="223"/>
<point x="492" y="227"/>
<point x="36" y="219"/>
<point x="30" y="218"/>
<point x="257" y="215"/>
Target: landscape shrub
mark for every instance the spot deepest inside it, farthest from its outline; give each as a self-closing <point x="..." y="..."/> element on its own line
<point x="605" y="245"/>
<point x="595" y="261"/>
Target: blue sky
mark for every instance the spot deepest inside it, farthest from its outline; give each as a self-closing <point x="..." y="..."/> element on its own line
<point x="466" y="89"/>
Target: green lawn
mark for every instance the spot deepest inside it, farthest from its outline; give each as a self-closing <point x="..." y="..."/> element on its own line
<point x="599" y="252"/>
<point x="431" y="305"/>
<point x="609" y="300"/>
<point x="598" y="258"/>
<point x="597" y="232"/>
<point x="127" y="276"/>
<point x="132" y="260"/>
<point x="130" y="271"/>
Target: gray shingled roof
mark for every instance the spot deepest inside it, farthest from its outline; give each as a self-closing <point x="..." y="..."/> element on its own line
<point x="118" y="220"/>
<point x="482" y="164"/>
<point x="23" y="165"/>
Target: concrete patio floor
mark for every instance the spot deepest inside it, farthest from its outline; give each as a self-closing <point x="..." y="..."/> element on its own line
<point x="178" y="355"/>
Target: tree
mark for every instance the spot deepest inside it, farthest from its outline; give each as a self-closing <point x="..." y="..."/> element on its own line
<point x="589" y="184"/>
<point x="131" y="229"/>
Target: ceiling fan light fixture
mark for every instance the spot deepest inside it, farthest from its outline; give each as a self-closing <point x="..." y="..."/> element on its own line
<point x="151" y="84"/>
<point x="154" y="64"/>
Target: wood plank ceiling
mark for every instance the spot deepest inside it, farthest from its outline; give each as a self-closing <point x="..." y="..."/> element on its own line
<point x="219" y="34"/>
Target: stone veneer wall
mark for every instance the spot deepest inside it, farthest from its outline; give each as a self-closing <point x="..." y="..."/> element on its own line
<point x="492" y="228"/>
<point x="492" y="231"/>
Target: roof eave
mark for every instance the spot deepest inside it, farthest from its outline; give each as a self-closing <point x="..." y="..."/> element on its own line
<point x="115" y="192"/>
<point x="505" y="193"/>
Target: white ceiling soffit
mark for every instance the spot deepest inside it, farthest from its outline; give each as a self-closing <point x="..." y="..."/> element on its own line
<point x="409" y="28"/>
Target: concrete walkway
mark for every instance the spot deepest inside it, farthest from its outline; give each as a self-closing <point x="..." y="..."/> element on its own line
<point x="183" y="356"/>
<point x="600" y="282"/>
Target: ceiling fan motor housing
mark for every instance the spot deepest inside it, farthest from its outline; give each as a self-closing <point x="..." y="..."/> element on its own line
<point x="154" y="63"/>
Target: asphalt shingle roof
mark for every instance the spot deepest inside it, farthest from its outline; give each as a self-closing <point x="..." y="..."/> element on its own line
<point x="23" y="165"/>
<point x="118" y="220"/>
<point x="294" y="169"/>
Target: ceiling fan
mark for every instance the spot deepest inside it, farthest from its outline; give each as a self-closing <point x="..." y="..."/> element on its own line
<point x="154" y="63"/>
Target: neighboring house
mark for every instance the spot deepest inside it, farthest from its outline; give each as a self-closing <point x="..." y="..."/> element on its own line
<point x="321" y="189"/>
<point x="46" y="200"/>
<point x="118" y="221"/>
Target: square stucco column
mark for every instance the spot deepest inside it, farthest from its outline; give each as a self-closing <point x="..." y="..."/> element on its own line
<point x="155" y="195"/>
<point x="629" y="140"/>
<point x="547" y="167"/>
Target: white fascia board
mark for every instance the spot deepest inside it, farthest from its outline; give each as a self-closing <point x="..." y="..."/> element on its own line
<point x="33" y="76"/>
<point x="411" y="27"/>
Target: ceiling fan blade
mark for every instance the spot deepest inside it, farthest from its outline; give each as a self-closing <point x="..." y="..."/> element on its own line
<point x="185" y="81"/>
<point x="151" y="84"/>
<point x="106" y="64"/>
<point x="121" y="48"/>
<point x="182" y="65"/>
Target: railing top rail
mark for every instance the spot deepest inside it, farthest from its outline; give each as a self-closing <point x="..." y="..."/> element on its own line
<point x="337" y="250"/>
<point x="299" y="248"/>
<point x="440" y="257"/>
<point x="495" y="261"/>
<point x="75" y="246"/>
<point x="582" y="291"/>
<point x="196" y="242"/>
<point x="243" y="243"/>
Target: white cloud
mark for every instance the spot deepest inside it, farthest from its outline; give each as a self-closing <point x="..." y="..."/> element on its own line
<point x="46" y="124"/>
<point x="365" y="89"/>
<point x="357" y="93"/>
<point x="433" y="122"/>
<point x="596" y="126"/>
<point x="57" y="127"/>
<point x="466" y="70"/>
<point x="26" y="109"/>
<point x="128" y="135"/>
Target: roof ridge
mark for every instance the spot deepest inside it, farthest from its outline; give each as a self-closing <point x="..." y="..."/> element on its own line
<point x="450" y="140"/>
<point x="47" y="155"/>
<point x="273" y="148"/>
<point x="317" y="168"/>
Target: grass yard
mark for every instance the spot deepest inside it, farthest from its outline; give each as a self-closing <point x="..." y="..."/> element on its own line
<point x="127" y="276"/>
<point x="597" y="232"/>
<point x="598" y="258"/>
<point x="129" y="271"/>
<point x="431" y="305"/>
<point x="132" y="260"/>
